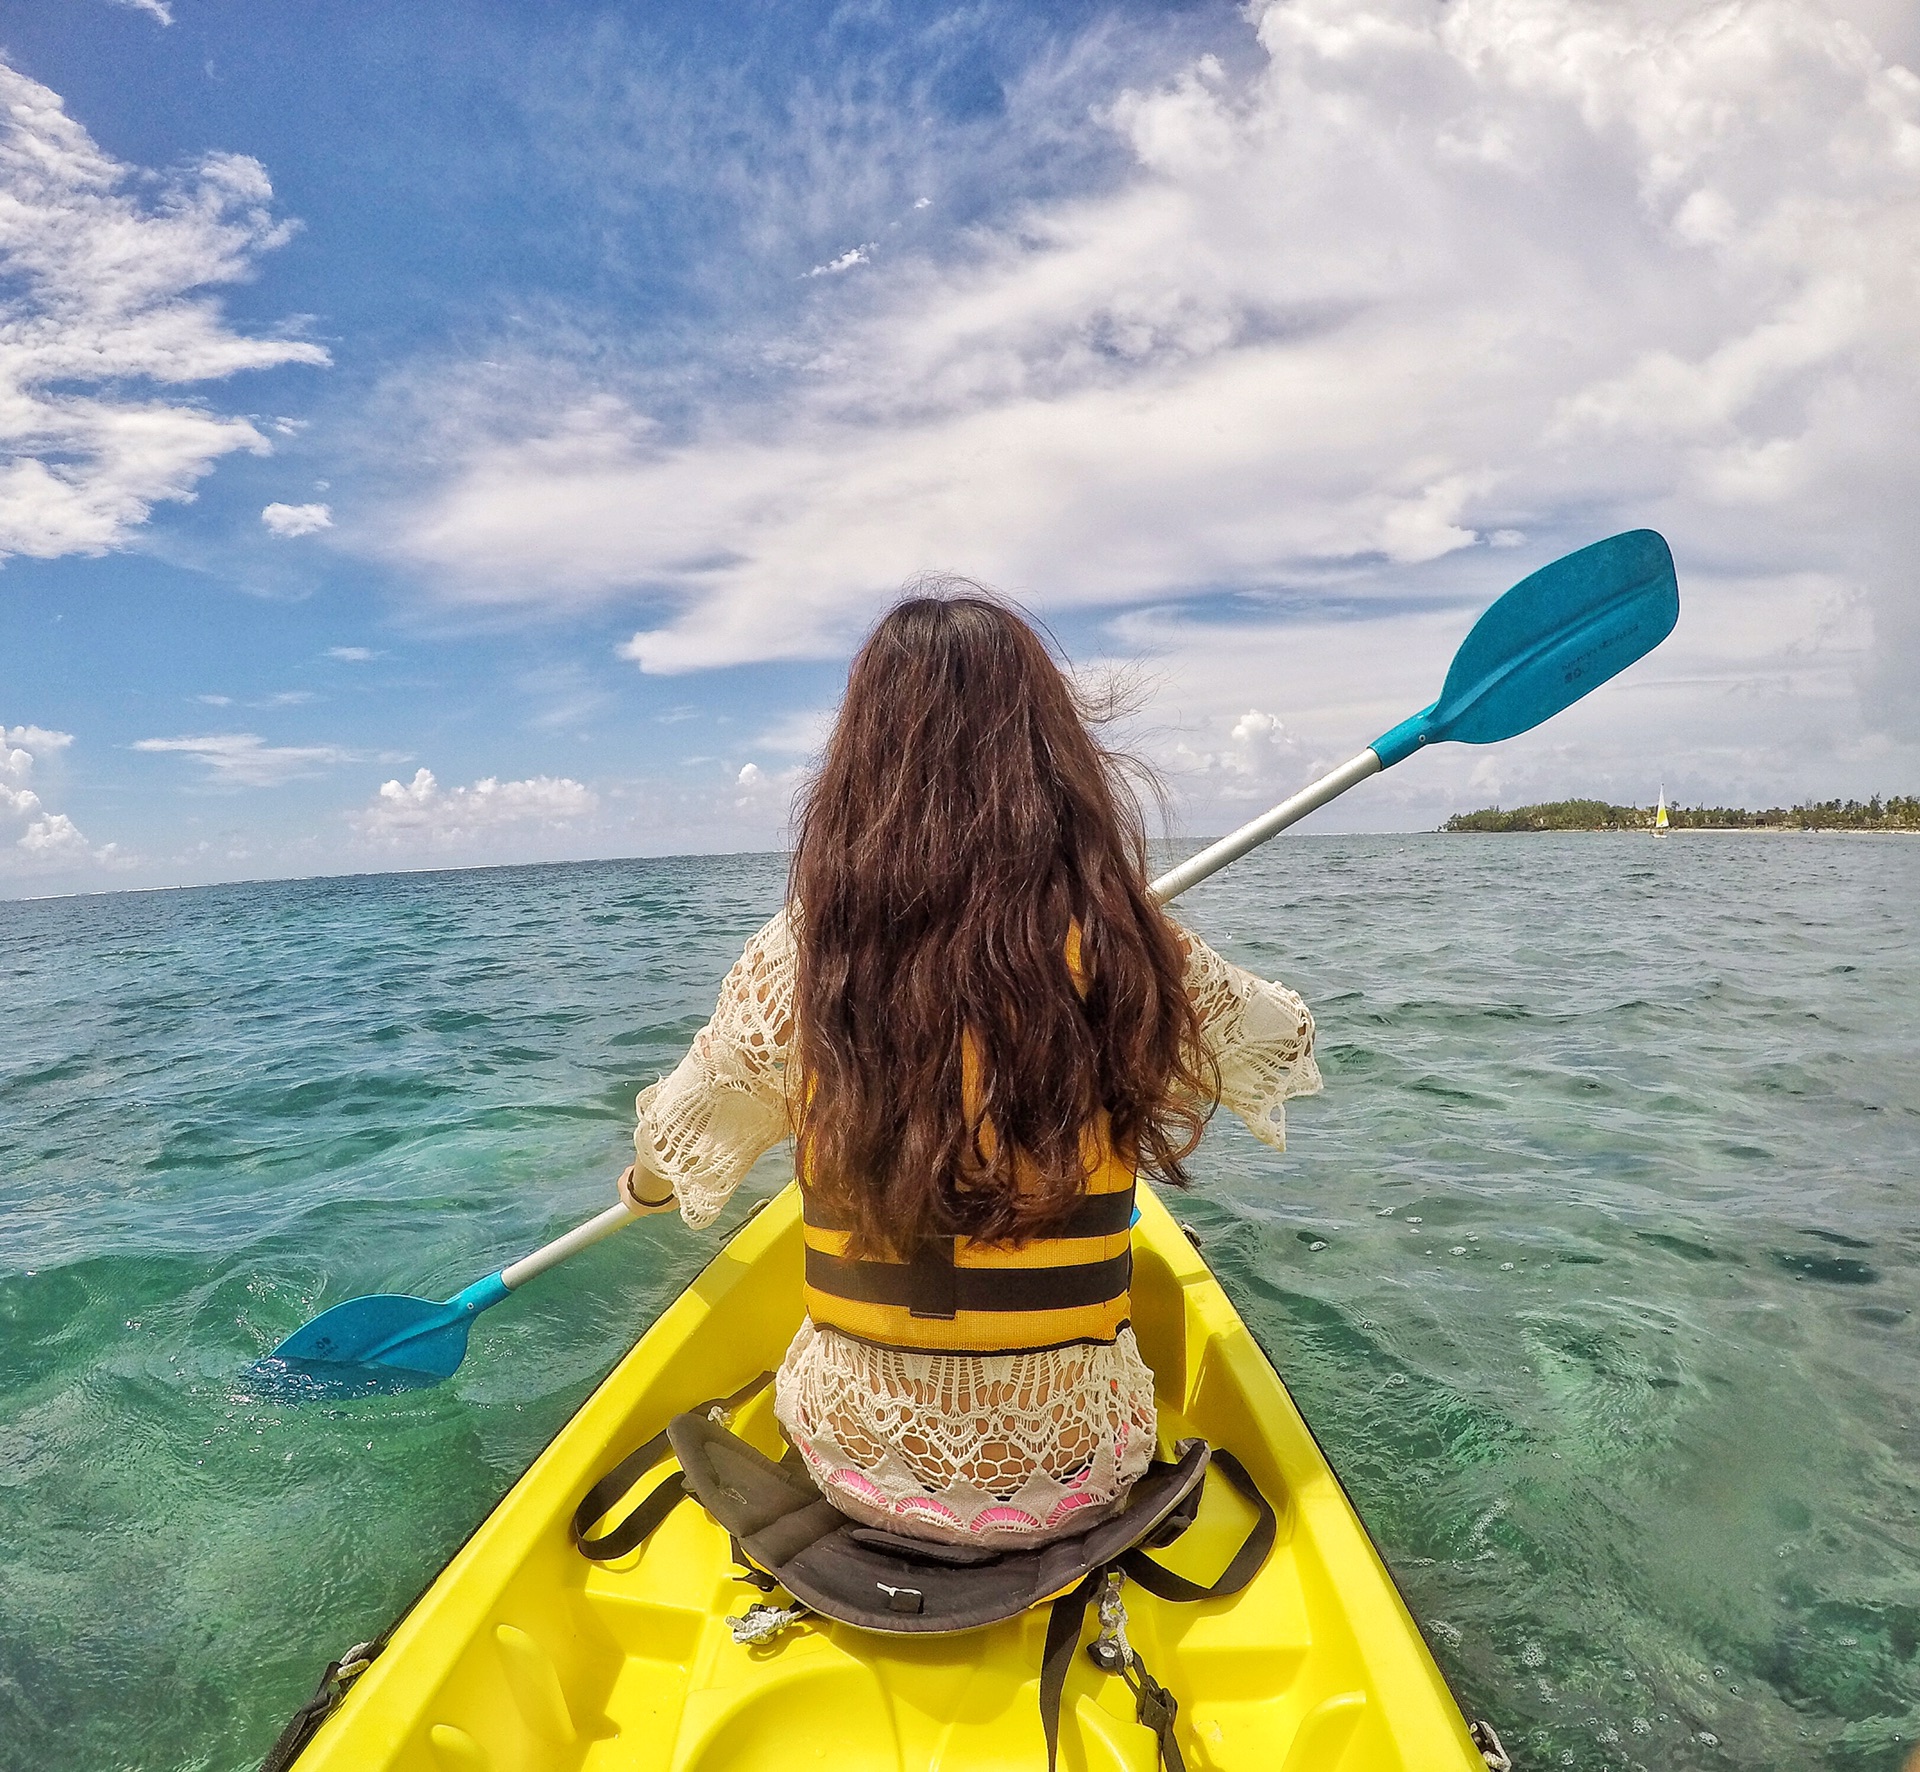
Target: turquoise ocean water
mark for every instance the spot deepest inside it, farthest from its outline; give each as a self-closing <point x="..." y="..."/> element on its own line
<point x="1594" y="1269"/>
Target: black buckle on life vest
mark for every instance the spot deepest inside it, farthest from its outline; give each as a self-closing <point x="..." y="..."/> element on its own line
<point x="935" y="1291"/>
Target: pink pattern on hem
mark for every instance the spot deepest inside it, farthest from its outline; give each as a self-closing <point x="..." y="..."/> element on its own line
<point x="860" y="1484"/>
<point x="1004" y="1519"/>
<point x="1066" y="1506"/>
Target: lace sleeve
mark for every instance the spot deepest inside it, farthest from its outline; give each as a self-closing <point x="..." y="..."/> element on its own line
<point x="724" y="1105"/>
<point x="1259" y="1034"/>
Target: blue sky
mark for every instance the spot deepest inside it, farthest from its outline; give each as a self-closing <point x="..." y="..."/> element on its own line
<point x="460" y="433"/>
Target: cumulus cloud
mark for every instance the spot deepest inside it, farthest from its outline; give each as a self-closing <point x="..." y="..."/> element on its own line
<point x="291" y="520"/>
<point x="106" y="272"/>
<point x="35" y="838"/>
<point x="36" y="738"/>
<point x="1424" y="281"/>
<point x="854" y="255"/>
<point x="245" y="759"/>
<point x="423" y="811"/>
<point x="766" y="793"/>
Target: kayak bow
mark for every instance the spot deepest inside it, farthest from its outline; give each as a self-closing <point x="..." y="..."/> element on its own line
<point x="524" y="1657"/>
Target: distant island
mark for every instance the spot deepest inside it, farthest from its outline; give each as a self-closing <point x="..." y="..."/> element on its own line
<point x="1899" y="813"/>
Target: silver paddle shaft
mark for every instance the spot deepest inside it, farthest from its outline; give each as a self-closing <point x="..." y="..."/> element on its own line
<point x="603" y="1224"/>
<point x="1215" y="856"/>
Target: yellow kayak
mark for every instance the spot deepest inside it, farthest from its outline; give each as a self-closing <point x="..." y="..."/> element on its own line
<point x="525" y="1657"/>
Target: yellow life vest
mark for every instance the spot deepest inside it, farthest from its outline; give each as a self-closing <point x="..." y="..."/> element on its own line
<point x="957" y="1295"/>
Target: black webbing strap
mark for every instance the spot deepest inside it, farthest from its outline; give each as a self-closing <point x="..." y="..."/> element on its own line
<point x="305" y="1723"/>
<point x="1063" y="1637"/>
<point x="610" y="1547"/>
<point x="1164" y="1584"/>
<point x="931" y="1286"/>
<point x="1154" y="1705"/>
<point x="1096" y="1215"/>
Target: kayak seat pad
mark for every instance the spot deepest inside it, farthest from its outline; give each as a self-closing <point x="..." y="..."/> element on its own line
<point x="881" y="1581"/>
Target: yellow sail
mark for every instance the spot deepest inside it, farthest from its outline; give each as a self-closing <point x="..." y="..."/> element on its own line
<point x="1660" y="813"/>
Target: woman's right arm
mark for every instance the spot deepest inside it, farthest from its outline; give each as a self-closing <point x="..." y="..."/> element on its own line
<point x="1259" y="1037"/>
<point x="704" y="1125"/>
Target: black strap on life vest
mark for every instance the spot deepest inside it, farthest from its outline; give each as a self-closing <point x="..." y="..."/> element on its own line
<point x="931" y="1284"/>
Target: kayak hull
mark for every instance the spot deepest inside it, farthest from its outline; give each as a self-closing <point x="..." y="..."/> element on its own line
<point x="524" y="1657"/>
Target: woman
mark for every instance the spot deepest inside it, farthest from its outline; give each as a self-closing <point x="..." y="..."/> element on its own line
<point x="977" y="1027"/>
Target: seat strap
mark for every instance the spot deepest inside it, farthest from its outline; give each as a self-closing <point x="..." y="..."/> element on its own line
<point x="1154" y="1705"/>
<point x="1164" y="1584"/>
<point x="610" y="1547"/>
<point x="1063" y="1637"/>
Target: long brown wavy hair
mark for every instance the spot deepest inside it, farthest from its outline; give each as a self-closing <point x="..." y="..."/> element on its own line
<point x="963" y="821"/>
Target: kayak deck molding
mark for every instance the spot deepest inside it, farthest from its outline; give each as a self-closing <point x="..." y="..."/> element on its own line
<point x="525" y="1657"/>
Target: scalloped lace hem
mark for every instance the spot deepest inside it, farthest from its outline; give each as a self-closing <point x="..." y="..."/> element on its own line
<point x="1012" y="1449"/>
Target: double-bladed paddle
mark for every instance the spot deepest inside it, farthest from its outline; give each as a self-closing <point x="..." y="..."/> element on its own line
<point x="1559" y="633"/>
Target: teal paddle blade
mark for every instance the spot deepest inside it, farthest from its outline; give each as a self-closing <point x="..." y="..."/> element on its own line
<point x="1559" y="633"/>
<point x="387" y="1342"/>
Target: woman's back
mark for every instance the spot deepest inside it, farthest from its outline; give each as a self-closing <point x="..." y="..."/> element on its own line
<point x="977" y="1027"/>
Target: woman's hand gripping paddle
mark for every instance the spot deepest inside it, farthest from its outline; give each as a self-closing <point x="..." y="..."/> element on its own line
<point x="1556" y="635"/>
<point x="1549" y="640"/>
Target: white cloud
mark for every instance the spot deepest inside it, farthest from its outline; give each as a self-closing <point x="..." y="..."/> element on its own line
<point x="351" y="654"/>
<point x="1430" y="279"/>
<point x="854" y="255"/>
<point x="39" y="840"/>
<point x="423" y="811"/>
<point x="152" y="8"/>
<point x="767" y="793"/>
<point x="106" y="270"/>
<point x="292" y="520"/>
<point x="245" y="759"/>
<point x="55" y="837"/>
<point x="36" y="738"/>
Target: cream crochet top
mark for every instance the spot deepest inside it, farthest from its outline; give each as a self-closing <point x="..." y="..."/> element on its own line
<point x="1018" y="1447"/>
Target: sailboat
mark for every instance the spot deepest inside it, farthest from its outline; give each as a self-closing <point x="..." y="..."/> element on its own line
<point x="1660" y="811"/>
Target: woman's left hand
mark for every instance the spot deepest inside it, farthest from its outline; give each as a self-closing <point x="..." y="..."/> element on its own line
<point x="634" y="1203"/>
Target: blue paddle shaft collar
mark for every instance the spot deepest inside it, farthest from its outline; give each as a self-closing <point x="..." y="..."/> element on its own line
<point x="479" y="1295"/>
<point x="1398" y="743"/>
